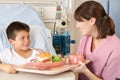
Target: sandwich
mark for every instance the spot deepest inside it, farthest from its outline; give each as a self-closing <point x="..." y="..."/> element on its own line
<point x="44" y="57"/>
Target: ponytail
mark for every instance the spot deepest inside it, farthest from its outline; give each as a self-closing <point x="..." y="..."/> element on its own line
<point x="106" y="27"/>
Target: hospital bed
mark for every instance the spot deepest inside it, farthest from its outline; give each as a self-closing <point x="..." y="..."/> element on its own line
<point x="40" y="35"/>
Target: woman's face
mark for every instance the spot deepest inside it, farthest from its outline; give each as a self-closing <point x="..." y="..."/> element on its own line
<point x="86" y="27"/>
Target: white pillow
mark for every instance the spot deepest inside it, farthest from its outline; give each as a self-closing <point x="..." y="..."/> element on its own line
<point x="3" y="40"/>
<point x="41" y="38"/>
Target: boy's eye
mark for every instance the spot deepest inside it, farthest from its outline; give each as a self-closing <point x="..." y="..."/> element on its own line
<point x="25" y="37"/>
<point x="22" y="37"/>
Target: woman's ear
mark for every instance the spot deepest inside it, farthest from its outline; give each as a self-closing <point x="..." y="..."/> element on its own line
<point x="92" y="20"/>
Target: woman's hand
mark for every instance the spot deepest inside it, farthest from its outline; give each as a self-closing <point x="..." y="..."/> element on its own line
<point x="9" y="68"/>
<point x="81" y="68"/>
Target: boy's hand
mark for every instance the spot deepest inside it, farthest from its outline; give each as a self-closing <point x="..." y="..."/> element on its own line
<point x="9" y="68"/>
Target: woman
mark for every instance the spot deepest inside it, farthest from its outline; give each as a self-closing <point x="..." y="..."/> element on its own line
<point x="99" y="44"/>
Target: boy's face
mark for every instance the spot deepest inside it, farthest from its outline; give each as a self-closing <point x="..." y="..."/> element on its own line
<point x="22" y="41"/>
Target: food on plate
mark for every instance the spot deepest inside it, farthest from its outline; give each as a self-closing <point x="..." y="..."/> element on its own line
<point x="45" y="61"/>
<point x="47" y="57"/>
<point x="56" y="58"/>
<point x="75" y="58"/>
<point x="44" y="57"/>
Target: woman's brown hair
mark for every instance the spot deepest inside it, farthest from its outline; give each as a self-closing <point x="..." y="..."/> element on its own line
<point x="104" y="23"/>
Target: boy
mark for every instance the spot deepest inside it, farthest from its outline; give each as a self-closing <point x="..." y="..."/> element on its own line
<point x="19" y="37"/>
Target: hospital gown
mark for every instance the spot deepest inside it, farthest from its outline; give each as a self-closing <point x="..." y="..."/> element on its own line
<point x="9" y="56"/>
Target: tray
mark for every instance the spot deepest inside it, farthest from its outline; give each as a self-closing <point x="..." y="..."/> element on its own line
<point x="51" y="71"/>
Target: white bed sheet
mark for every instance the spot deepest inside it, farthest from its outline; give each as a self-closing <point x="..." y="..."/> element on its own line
<point x="40" y="35"/>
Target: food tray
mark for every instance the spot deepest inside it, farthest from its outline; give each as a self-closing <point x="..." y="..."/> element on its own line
<point x="49" y="71"/>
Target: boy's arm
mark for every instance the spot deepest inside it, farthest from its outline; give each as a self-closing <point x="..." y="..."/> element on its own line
<point x="7" y="68"/>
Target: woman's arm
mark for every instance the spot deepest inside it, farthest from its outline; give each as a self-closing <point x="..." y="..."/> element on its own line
<point x="91" y="76"/>
<point x="83" y="69"/>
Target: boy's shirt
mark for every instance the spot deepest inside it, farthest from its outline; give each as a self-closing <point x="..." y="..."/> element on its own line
<point x="9" y="56"/>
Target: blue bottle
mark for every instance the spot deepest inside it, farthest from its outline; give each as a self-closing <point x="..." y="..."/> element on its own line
<point x="65" y="40"/>
<point x="57" y="43"/>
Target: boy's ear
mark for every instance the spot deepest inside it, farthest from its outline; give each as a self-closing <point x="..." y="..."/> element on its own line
<point x="10" y="41"/>
<point x="93" y="20"/>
